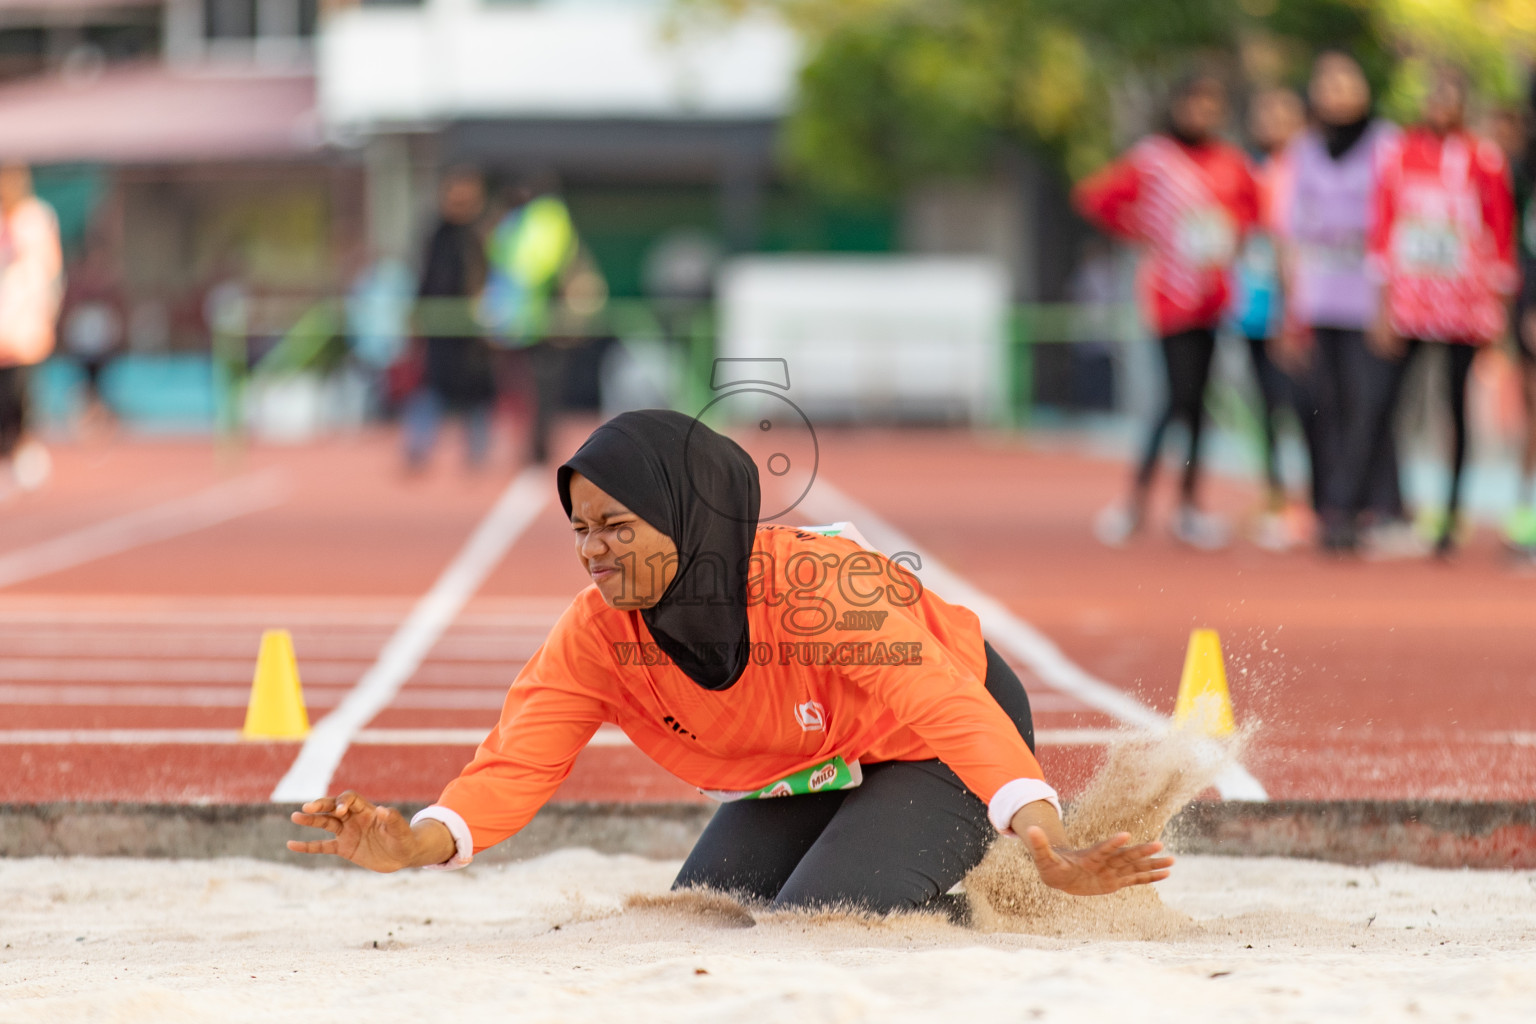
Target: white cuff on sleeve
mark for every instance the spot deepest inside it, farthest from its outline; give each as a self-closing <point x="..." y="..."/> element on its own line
<point x="1007" y="801"/>
<point x="463" y="842"/>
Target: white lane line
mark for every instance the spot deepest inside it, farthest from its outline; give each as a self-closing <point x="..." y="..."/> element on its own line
<point x="87" y="646"/>
<point x="518" y="506"/>
<point x="111" y="670"/>
<point x="229" y="670"/>
<point x="189" y="616"/>
<point x="1005" y="629"/>
<point x="480" y="698"/>
<point x="607" y="736"/>
<point x="217" y="504"/>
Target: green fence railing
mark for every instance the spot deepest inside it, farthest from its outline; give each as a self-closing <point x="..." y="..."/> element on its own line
<point x="309" y="336"/>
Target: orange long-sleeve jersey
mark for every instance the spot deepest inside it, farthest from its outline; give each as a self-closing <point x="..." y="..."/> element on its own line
<point x="851" y="658"/>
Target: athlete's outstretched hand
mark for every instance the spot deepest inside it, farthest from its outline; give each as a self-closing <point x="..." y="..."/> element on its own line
<point x="1104" y="868"/>
<point x="377" y="838"/>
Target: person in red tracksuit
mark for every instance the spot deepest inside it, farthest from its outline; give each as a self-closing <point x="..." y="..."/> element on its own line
<point x="1188" y="198"/>
<point x="1442" y="248"/>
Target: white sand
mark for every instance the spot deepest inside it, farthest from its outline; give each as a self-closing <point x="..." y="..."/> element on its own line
<point x="552" y="940"/>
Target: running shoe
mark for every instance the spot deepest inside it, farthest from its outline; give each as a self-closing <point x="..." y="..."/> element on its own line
<point x="1443" y="533"/>
<point x="1520" y="530"/>
<point x="1200" y="530"/>
<point x="31" y="466"/>
<point x="1394" y="540"/>
<point x="1115" y="525"/>
<point x="1271" y="532"/>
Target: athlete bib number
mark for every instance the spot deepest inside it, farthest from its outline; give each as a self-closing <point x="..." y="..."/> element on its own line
<point x="1428" y="248"/>
<point x="1205" y="239"/>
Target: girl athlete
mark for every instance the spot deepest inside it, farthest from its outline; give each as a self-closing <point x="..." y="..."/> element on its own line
<point x="1442" y="248"/>
<point x="1324" y="218"/>
<point x="1520" y="531"/>
<point x="863" y="739"/>
<point x="1190" y="198"/>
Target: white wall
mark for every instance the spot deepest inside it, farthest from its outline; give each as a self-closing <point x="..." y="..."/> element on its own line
<point x="468" y="58"/>
<point x="883" y="336"/>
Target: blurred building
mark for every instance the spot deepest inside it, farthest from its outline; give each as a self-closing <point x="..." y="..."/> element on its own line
<point x="181" y="139"/>
<point x="284" y="145"/>
<point x="660" y="133"/>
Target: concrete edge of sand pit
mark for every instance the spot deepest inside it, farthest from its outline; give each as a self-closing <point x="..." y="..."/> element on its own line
<point x="1431" y="833"/>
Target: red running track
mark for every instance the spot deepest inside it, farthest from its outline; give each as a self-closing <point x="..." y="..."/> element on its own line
<point x="124" y="677"/>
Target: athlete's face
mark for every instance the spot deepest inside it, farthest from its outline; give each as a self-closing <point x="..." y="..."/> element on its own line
<point x="1339" y="92"/>
<point x="630" y="560"/>
<point x="1200" y="112"/>
<point x="1446" y="105"/>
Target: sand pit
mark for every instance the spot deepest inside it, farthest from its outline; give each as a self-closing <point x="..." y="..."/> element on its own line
<point x="562" y="939"/>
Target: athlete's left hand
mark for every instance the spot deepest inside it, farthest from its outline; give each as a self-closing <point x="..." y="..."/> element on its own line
<point x="1104" y="868"/>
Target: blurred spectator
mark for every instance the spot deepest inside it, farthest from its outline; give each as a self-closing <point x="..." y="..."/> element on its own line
<point x="378" y="312"/>
<point x="1275" y="118"/>
<point x="1520" y="531"/>
<point x="1323" y="215"/>
<point x="31" y="286"/>
<point x="1442" y="247"/>
<point x="1094" y="289"/>
<point x="1188" y="197"/>
<point x="94" y="327"/>
<point x="532" y="252"/>
<point x="457" y="375"/>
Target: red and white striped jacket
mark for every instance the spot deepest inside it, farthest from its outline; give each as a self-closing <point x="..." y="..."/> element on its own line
<point x="1191" y="206"/>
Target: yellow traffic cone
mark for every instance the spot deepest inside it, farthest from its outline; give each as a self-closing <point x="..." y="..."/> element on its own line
<point x="1204" y="703"/>
<point x="276" y="710"/>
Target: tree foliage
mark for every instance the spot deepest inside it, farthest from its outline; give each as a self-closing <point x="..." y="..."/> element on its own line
<point x="897" y="91"/>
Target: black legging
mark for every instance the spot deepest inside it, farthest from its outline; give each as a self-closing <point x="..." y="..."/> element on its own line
<point x="1279" y="389"/>
<point x="13" y="408"/>
<point x="1275" y="393"/>
<point x="1356" y="460"/>
<point x="899" y="840"/>
<point x="1458" y="366"/>
<point x="1187" y="359"/>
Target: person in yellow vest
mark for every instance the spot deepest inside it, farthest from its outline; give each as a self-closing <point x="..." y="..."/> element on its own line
<point x="537" y="267"/>
<point x="31" y="286"/>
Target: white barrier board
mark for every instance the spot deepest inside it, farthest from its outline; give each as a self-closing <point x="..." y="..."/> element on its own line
<point x="884" y="337"/>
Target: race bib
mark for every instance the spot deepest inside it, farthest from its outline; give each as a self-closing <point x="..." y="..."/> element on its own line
<point x="1205" y="238"/>
<point x="1344" y="255"/>
<point x="1428" y="248"/>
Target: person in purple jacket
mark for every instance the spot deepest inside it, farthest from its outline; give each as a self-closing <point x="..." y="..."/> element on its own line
<point x="1323" y="218"/>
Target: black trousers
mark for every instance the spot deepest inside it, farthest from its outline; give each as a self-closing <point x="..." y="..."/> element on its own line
<point x="1355" y="389"/>
<point x="1378" y="419"/>
<point x="13" y="408"/>
<point x="900" y="840"/>
<point x="1275" y="393"/>
<point x="1187" y="359"/>
<point x="1280" y="390"/>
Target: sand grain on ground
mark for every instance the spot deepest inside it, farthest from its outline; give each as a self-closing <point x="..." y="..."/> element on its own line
<point x="565" y="938"/>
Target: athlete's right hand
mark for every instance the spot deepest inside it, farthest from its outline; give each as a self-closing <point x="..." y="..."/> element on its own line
<point x="377" y="838"/>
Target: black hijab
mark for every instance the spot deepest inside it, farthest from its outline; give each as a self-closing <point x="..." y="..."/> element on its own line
<point x="1339" y="139"/>
<point x="700" y="489"/>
